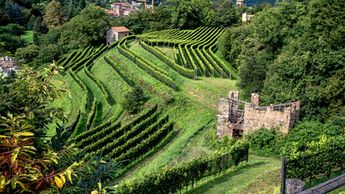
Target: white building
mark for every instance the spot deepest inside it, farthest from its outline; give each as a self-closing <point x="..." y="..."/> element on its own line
<point x="116" y="33"/>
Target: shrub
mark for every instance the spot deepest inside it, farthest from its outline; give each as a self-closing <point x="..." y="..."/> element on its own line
<point x="265" y="141"/>
<point x="134" y="100"/>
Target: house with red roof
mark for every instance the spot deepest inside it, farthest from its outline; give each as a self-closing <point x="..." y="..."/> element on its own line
<point x="116" y="33"/>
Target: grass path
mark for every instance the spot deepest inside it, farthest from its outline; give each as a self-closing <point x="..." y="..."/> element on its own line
<point x="243" y="178"/>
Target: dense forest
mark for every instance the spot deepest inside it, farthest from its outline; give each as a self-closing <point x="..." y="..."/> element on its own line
<point x="139" y="115"/>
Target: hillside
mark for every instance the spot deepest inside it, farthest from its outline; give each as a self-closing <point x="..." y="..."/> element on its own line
<point x="183" y="94"/>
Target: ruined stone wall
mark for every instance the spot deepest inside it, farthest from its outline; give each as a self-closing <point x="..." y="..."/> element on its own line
<point x="223" y="118"/>
<point x="265" y="117"/>
<point x="232" y="122"/>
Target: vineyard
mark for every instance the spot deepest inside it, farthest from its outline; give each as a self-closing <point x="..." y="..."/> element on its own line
<point x="172" y="67"/>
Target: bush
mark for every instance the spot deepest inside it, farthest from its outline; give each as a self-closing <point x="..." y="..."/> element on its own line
<point x="265" y="141"/>
<point x="134" y="100"/>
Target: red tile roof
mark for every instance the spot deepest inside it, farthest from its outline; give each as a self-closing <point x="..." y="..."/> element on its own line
<point x="120" y="29"/>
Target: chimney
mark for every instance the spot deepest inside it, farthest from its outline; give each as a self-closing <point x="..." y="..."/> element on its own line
<point x="255" y="99"/>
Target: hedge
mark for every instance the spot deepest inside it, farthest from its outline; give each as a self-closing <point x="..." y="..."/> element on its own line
<point x="96" y="134"/>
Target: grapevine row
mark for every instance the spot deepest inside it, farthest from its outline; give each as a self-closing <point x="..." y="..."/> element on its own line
<point x="118" y="70"/>
<point x="173" y="179"/>
<point x="145" y="145"/>
<point x="91" y="117"/>
<point x="127" y="135"/>
<point x="99" y="84"/>
<point x="183" y="71"/>
<point x="146" y="67"/>
<point x="135" y="140"/>
<point x="116" y="133"/>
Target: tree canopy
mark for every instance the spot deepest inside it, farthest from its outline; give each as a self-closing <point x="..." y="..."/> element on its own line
<point x="293" y="51"/>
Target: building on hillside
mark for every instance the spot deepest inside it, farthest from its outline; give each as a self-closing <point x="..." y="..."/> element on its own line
<point x="237" y="118"/>
<point x="239" y="3"/>
<point x="7" y="66"/>
<point x="247" y="17"/>
<point x="116" y="33"/>
<point x="121" y="9"/>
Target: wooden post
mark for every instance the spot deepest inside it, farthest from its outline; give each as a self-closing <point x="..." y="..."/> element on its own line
<point x="283" y="178"/>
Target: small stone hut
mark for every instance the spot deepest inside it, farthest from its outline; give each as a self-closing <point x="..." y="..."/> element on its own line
<point x="237" y="118"/>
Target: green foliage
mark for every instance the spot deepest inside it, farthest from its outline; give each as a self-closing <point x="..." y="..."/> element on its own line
<point x="265" y="141"/>
<point x="134" y="100"/>
<point x="173" y="179"/>
<point x="9" y="43"/>
<point x="29" y="93"/>
<point x="292" y="51"/>
<point x="53" y="16"/>
<point x="196" y="49"/>
<point x="312" y="149"/>
<point x="13" y="29"/>
<point x="49" y="53"/>
<point x="100" y="85"/>
<point x="187" y="14"/>
<point x="143" y="146"/>
<point x="92" y="113"/>
<point x="89" y="27"/>
<point x="320" y="157"/>
<point x="27" y="54"/>
<point x="118" y="70"/>
<point x="28" y="165"/>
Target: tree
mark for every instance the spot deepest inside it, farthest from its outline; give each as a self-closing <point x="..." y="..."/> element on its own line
<point x="49" y="52"/>
<point x="13" y="29"/>
<point x="14" y="12"/>
<point x="89" y="27"/>
<point x="134" y="100"/>
<point x="53" y="16"/>
<point x="223" y="14"/>
<point x="10" y="43"/>
<point x="27" y="54"/>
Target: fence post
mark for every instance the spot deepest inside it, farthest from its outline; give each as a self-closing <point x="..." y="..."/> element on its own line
<point x="283" y="177"/>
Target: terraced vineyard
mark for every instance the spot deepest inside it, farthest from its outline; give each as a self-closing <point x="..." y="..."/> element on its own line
<point x="195" y="50"/>
<point x="171" y="66"/>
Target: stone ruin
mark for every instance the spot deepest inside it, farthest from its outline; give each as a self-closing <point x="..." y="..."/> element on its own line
<point x="237" y="118"/>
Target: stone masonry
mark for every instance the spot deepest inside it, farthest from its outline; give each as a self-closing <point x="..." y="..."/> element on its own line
<point x="237" y="118"/>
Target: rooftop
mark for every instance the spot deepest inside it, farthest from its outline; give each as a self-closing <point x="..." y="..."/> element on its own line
<point x="120" y="29"/>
